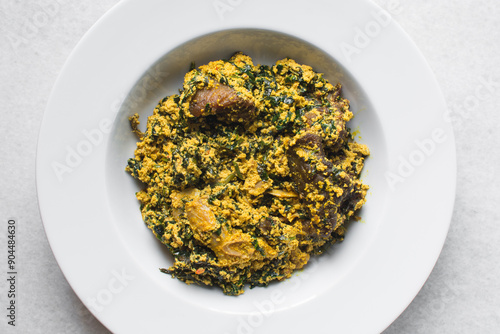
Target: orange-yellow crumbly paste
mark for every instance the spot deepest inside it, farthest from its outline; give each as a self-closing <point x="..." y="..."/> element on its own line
<point x="248" y="171"/>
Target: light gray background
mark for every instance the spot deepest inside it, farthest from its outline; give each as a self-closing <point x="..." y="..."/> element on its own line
<point x="461" y="41"/>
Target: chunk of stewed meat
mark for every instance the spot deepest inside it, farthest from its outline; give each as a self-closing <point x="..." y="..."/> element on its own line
<point x="316" y="178"/>
<point x="338" y="106"/>
<point x="223" y="101"/>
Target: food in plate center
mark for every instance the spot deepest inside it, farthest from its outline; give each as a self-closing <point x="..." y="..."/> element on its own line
<point x="248" y="171"/>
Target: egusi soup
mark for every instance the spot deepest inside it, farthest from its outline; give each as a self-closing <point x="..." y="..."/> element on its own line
<point x="248" y="172"/>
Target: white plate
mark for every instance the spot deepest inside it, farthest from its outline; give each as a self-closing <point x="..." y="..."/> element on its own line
<point x="135" y="55"/>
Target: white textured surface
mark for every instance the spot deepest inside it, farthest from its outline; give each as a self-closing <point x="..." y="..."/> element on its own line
<point x="460" y="40"/>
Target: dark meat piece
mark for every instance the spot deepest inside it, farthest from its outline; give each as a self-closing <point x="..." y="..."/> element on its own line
<point x="221" y="100"/>
<point x="340" y="107"/>
<point x="309" y="179"/>
<point x="303" y="171"/>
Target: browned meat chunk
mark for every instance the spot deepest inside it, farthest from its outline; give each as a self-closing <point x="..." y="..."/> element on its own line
<point x="338" y="107"/>
<point x="221" y="100"/>
<point x="341" y="106"/>
<point x="314" y="174"/>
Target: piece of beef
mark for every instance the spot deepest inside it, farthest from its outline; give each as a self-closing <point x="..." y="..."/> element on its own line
<point x="339" y="107"/>
<point x="311" y="179"/>
<point x="221" y="100"/>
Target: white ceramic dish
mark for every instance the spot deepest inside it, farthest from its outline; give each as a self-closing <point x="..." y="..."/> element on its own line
<point x="137" y="54"/>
